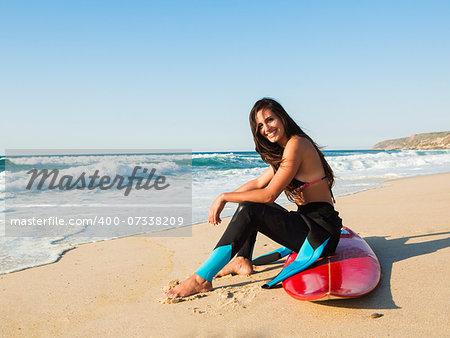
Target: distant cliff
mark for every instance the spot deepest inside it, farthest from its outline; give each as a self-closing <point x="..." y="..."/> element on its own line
<point x="439" y="140"/>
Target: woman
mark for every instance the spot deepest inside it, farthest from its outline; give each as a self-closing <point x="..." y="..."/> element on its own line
<point x="298" y="167"/>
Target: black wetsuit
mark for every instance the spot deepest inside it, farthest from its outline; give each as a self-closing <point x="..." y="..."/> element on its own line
<point x="312" y="231"/>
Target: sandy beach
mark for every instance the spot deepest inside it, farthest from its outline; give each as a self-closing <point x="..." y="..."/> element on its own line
<point x="115" y="287"/>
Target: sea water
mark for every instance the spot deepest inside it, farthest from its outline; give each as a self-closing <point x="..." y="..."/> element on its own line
<point x="212" y="173"/>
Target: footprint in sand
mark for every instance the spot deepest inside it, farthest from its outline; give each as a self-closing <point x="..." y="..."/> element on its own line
<point x="237" y="298"/>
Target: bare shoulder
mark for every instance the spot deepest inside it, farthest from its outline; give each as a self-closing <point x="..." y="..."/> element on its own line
<point x="299" y="143"/>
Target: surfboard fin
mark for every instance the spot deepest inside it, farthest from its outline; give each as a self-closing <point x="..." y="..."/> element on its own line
<point x="306" y="256"/>
<point x="272" y="256"/>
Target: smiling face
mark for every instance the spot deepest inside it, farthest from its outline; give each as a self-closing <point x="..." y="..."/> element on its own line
<point x="271" y="127"/>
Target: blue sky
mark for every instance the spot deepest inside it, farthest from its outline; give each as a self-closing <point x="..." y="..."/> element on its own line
<point x="185" y="74"/>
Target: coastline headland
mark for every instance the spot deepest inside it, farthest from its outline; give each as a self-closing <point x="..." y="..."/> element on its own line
<point x="428" y="141"/>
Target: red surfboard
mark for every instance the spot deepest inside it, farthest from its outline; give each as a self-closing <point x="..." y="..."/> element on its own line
<point x="352" y="271"/>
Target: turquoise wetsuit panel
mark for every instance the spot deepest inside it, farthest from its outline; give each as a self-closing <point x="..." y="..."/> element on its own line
<point x="306" y="256"/>
<point x="215" y="262"/>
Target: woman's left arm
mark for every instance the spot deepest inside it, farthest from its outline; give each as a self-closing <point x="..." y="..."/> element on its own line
<point x="286" y="172"/>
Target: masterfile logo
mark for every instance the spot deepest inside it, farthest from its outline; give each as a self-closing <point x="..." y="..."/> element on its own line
<point x="91" y="182"/>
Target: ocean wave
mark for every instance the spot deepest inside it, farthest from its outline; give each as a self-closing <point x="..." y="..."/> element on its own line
<point x="387" y="160"/>
<point x="72" y="160"/>
<point x="227" y="160"/>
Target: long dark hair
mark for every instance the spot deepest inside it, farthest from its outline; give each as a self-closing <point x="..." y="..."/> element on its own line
<point x="271" y="153"/>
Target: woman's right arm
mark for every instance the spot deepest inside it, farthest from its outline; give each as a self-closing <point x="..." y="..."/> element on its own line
<point x="258" y="183"/>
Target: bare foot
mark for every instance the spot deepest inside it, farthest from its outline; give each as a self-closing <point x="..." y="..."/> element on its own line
<point x="190" y="286"/>
<point x="238" y="266"/>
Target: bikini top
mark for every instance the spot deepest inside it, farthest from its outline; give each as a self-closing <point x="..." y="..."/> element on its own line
<point x="298" y="185"/>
